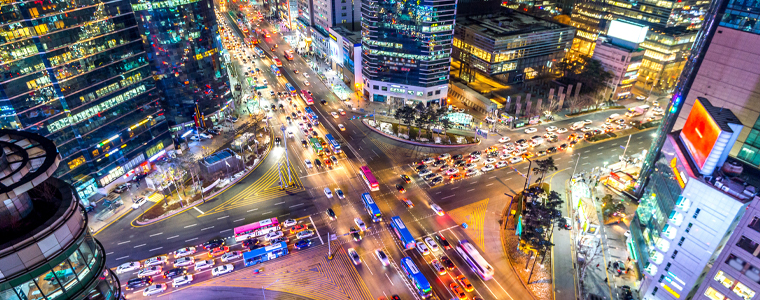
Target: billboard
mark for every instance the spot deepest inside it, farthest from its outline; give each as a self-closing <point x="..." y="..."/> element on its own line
<point x="699" y="134"/>
<point x="628" y="31"/>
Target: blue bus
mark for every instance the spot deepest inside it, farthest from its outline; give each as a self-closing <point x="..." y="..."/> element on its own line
<point x="309" y="111"/>
<point x="275" y="70"/>
<point x="334" y="145"/>
<point x="291" y="89"/>
<point x="263" y="254"/>
<point x="418" y="280"/>
<point x="371" y="207"/>
<point x="402" y="232"/>
<point x="258" y="51"/>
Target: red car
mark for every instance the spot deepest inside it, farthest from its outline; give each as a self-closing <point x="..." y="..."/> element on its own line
<point x="218" y="251"/>
<point x="298" y="228"/>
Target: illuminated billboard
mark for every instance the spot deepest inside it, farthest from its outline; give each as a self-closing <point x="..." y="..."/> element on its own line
<point x="627" y="31"/>
<point x="699" y="134"/>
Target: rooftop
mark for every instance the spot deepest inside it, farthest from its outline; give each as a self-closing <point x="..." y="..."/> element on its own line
<point x="352" y="36"/>
<point x="506" y="22"/>
<point x="218" y="157"/>
<point x="722" y="116"/>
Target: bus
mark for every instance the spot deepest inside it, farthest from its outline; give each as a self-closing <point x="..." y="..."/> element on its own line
<point x="369" y="179"/>
<point x="289" y="54"/>
<point x="255" y="229"/>
<point x="258" y="51"/>
<point x="290" y="89"/>
<point x="307" y="97"/>
<point x="265" y="33"/>
<point x="316" y="146"/>
<point x="260" y="255"/>
<point x="418" y="279"/>
<point x="309" y="111"/>
<point x="275" y="70"/>
<point x="277" y="62"/>
<point x="402" y="232"/>
<point x="477" y="263"/>
<point x="333" y="143"/>
<point x="371" y="207"/>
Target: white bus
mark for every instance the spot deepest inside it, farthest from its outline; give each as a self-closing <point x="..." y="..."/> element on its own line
<point x="477" y="263"/>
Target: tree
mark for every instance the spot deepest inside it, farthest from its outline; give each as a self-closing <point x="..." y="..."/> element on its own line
<point x="592" y="76"/>
<point x="587" y="256"/>
<point x="406" y="115"/>
<point x="543" y="166"/>
<point x="612" y="207"/>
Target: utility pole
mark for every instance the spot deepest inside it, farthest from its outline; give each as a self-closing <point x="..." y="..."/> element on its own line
<point x="329" y="248"/>
<point x="263" y="288"/>
<point x="626" y="149"/>
<point x="576" y="163"/>
<point x="527" y="178"/>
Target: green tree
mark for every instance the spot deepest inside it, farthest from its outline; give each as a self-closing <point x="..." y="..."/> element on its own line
<point x="543" y="166"/>
<point x="590" y="73"/>
<point x="406" y="114"/>
<point x="612" y="207"/>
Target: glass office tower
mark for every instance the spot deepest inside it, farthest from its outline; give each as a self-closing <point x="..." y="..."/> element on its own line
<point x="184" y="54"/>
<point x="76" y="72"/>
<point x="406" y="50"/>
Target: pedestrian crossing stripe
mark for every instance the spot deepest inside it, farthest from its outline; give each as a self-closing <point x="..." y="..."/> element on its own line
<point x="474" y="215"/>
<point x="155" y="197"/>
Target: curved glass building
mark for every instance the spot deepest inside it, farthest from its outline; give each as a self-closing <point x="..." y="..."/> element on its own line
<point x="46" y="250"/>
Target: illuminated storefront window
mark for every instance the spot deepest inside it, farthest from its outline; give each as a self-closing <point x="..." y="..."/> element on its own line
<point x="743" y="291"/>
<point x="724" y="279"/>
<point x="713" y="294"/>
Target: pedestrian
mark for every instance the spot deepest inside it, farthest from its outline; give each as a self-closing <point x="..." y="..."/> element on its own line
<point x="609" y="264"/>
<point x="597" y="266"/>
<point x="605" y="280"/>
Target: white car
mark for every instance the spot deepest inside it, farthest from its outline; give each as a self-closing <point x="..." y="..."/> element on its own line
<point x="444" y="156"/>
<point x="328" y="193"/>
<point x="487" y="168"/>
<point x="551" y="128"/>
<point x="290" y="135"/>
<point x="505" y="156"/>
<point x="154" y="289"/>
<point x="335" y="115"/>
<point x="289" y="223"/>
<point x="515" y="159"/>
<point x="382" y="257"/>
<point x="504" y="139"/>
<point x="501" y="164"/>
<point x="204" y="135"/>
<point x="562" y="130"/>
<point x="155" y="261"/>
<point x="422" y="248"/>
<point x="273" y="235"/>
<point x="308" y="164"/>
<point x="341" y="111"/>
<point x="586" y="121"/>
<point x="150" y="271"/>
<point x="184" y="261"/>
<point x="304" y="234"/>
<point x="474" y="158"/>
<point x="306" y="82"/>
<point x="586" y="129"/>
<point x="139" y="202"/>
<point x="490" y="161"/>
<point x="428" y="160"/>
<point x="231" y="255"/>
<point x="204" y="264"/>
<point x="425" y="172"/>
<point x="471" y="172"/>
<point x="360" y="223"/>
<point x="305" y="75"/>
<point x="182" y="280"/>
<point x="127" y="267"/>
<point x="531" y="130"/>
<point x="341" y="127"/>
<point x="184" y="252"/>
<point x="354" y="256"/>
<point x="431" y="243"/>
<point x="223" y="269"/>
<point x="437" y="209"/>
<point x="264" y="81"/>
<point x="452" y="171"/>
<point x="470" y="166"/>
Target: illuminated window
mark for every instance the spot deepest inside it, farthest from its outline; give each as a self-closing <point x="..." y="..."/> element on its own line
<point x="724" y="279"/>
<point x="713" y="294"/>
<point x="743" y="291"/>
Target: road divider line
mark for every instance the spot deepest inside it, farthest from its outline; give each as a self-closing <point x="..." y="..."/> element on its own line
<point x="171" y="237"/>
<point x="266" y="213"/>
<point x="238" y="220"/>
<point x="154" y="249"/>
<point x="470" y="190"/>
<point x="278" y="203"/>
<point x="202" y="229"/>
<point x="317" y="231"/>
<point x="299" y="204"/>
<point x="225" y="230"/>
<point x="490" y="184"/>
<point x="188" y="226"/>
<point x="123" y="257"/>
<point x="250" y="210"/>
<point x="122" y="243"/>
<point x="190" y="240"/>
<point x="449" y="196"/>
<point x="196" y="208"/>
<point x="155" y="234"/>
<point x="138" y="246"/>
<point x="219" y="218"/>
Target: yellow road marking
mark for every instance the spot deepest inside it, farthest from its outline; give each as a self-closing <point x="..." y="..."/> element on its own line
<point x="474" y="215"/>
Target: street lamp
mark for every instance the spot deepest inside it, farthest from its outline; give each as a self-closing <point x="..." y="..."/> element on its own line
<point x="263" y="288"/>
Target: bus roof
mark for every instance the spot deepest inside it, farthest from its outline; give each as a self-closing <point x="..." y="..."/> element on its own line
<point x="264" y="250"/>
<point x="256" y="225"/>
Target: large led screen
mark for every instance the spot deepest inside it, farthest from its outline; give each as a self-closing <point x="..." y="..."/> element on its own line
<point x="699" y="134"/>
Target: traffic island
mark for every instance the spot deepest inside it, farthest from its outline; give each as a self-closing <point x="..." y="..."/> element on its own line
<point x="420" y="137"/>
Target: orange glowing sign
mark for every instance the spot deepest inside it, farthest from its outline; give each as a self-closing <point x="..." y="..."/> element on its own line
<point x="699" y="134"/>
<point x="677" y="172"/>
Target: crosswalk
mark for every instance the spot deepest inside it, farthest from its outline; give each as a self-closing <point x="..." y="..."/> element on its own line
<point x="474" y="215"/>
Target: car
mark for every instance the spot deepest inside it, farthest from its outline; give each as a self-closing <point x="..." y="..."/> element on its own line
<point x="448" y="263"/>
<point x="290" y="135"/>
<point x="452" y="171"/>
<point x="408" y="202"/>
<point x="474" y="158"/>
<point x="501" y="164"/>
<point x="139" y="202"/>
<point x="504" y="139"/>
<point x="457" y="157"/>
<point x="382" y="257"/>
<point x="470" y="166"/>
<point x="334" y="159"/>
<point x="175" y="272"/>
<point x="619" y="267"/>
<point x="551" y="128"/>
<point x="318" y="163"/>
<point x="656" y="103"/>
<point x="328" y="192"/>
<point x="424" y="172"/>
<point x="515" y="159"/>
<point x="341" y="127"/>
<point x="308" y="164"/>
<point x="406" y="178"/>
<point x="289" y="223"/>
<point x="334" y="115"/>
<point x="223" y="269"/>
<point x="302" y="244"/>
<point x="355" y="234"/>
<point x="471" y="172"/>
<point x="231" y="255"/>
<point x="304" y="234"/>
<point x="487" y="168"/>
<point x="436" y="180"/>
<point x="437" y="209"/>
<point x="155" y="261"/>
<point x="431" y="243"/>
<point x="122" y="188"/>
<point x="341" y="112"/>
<point x="127" y="267"/>
<point x="460" y="163"/>
<point x="323" y="102"/>
<point x="182" y="280"/>
<point x="150" y="271"/>
<point x="278" y="240"/>
<point x="442" y="240"/>
<point x="184" y="261"/>
<point x="444" y="167"/>
<point x="428" y="160"/>
<point x="138" y="282"/>
<point x="465" y="283"/>
<point x="315" y="134"/>
<point x="505" y="156"/>
<point x="586" y="122"/>
<point x="277" y="140"/>
<point x="154" y="289"/>
<point x="641" y="98"/>
<point x="429" y="176"/>
<point x="360" y="223"/>
<point x="203" y="264"/>
<point x="219" y="251"/>
<point x="541" y="153"/>
<point x="331" y="214"/>
<point x="400" y="188"/>
<point x="562" y="130"/>
<point x="457" y="291"/>
<point x="444" y="156"/>
<point x="306" y="82"/>
<point x="530" y="130"/>
<point x="573" y="143"/>
<point x="273" y="235"/>
<point x="422" y="248"/>
<point x="338" y="192"/>
<point x="305" y="75"/>
<point x="456" y="176"/>
<point x="438" y="267"/>
<point x="354" y="256"/>
<point x="490" y="161"/>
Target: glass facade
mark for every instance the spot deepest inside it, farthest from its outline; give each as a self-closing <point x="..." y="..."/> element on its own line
<point x="407" y="42"/>
<point x="742" y="15"/>
<point x="750" y="151"/>
<point x="77" y="73"/>
<point x="184" y="51"/>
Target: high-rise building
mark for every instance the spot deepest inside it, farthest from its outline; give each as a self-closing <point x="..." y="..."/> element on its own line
<point x="83" y="81"/>
<point x="323" y="15"/>
<point x="620" y="55"/>
<point x="406" y="50"/>
<point x="46" y="249"/>
<point x="184" y="51"/>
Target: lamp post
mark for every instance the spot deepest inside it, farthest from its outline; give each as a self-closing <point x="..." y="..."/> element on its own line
<point x="263" y="288"/>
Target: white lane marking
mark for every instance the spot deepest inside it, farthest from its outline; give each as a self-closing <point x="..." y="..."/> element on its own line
<point x="138" y="246"/>
<point x="155" y="234"/>
<point x="586" y="163"/>
<point x="171" y="237"/>
<point x="278" y="203"/>
<point x="299" y="204"/>
<point x="154" y="249"/>
<point x="599" y="154"/>
<point x="238" y="220"/>
<point x="389" y="279"/>
<point x="317" y="230"/>
<point x="454" y="188"/>
<point x="269" y="212"/>
<point x="196" y="208"/>
<point x="492" y="177"/>
<point x="587" y="151"/>
<point x="123" y="243"/>
<point x="219" y="218"/>
<point x="109" y="253"/>
<point x="225" y="230"/>
<point x="202" y="229"/>
<point x="193" y="225"/>
<point x="250" y="210"/>
<point x="489" y="184"/>
<point x="195" y="238"/>
<point x="470" y="190"/>
<point x="449" y="196"/>
<point x="123" y="257"/>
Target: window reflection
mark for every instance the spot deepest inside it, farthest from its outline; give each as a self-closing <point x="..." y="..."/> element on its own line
<point x="49" y="285"/>
<point x="65" y="274"/>
<point x="29" y="290"/>
<point x="79" y="264"/>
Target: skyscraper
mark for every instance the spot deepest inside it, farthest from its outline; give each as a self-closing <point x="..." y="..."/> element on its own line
<point x="184" y="51"/>
<point x="77" y="73"/>
<point x="406" y="49"/>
